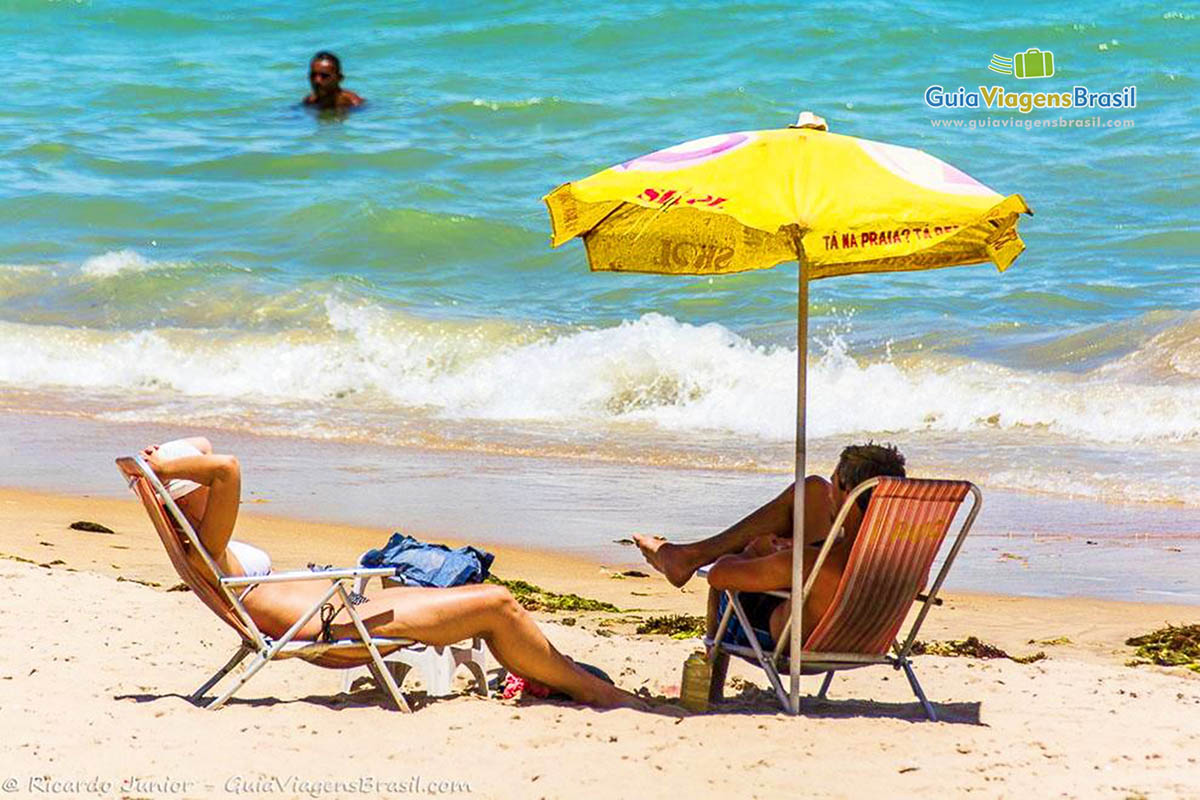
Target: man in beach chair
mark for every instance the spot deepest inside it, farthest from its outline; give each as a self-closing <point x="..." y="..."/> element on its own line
<point x="870" y="539"/>
<point x="887" y="569"/>
<point x="754" y="555"/>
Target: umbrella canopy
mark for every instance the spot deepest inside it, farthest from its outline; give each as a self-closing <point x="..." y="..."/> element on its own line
<point x="838" y="205"/>
<point x="754" y="199"/>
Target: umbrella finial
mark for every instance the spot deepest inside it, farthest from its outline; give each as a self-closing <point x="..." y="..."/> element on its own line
<point x="808" y="119"/>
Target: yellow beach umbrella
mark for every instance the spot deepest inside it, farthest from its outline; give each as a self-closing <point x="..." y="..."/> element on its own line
<point x="838" y="205"/>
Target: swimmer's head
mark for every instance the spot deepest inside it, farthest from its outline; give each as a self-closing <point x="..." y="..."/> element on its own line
<point x="325" y="73"/>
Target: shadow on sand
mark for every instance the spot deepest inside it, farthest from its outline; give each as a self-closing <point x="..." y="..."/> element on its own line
<point x="363" y="698"/>
<point x="756" y="700"/>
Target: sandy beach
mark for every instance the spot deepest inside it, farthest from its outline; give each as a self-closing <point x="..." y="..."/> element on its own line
<point x="95" y="693"/>
<point x="568" y="274"/>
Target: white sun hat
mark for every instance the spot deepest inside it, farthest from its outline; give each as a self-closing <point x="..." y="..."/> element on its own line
<point x="169" y="451"/>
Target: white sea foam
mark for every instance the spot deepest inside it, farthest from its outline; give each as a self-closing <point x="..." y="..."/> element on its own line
<point x="115" y="262"/>
<point x="677" y="377"/>
<point x="496" y="105"/>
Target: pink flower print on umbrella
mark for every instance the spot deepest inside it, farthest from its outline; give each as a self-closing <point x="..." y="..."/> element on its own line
<point x="922" y="169"/>
<point x="687" y="154"/>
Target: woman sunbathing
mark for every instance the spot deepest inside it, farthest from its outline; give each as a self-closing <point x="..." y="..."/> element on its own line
<point x="207" y="487"/>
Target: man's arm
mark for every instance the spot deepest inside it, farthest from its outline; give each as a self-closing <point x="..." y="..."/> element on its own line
<point x="760" y="574"/>
<point x="764" y="546"/>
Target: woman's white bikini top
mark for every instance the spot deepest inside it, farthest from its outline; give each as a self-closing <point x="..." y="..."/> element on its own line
<point x="255" y="563"/>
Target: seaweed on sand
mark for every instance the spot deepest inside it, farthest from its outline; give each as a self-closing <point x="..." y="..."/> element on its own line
<point x="1172" y="646"/>
<point x="971" y="647"/>
<point x="90" y="527"/>
<point x="677" y="626"/>
<point x="1057" y="640"/>
<point x="535" y="598"/>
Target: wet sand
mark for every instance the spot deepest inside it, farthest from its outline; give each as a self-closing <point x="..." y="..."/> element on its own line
<point x="1036" y="545"/>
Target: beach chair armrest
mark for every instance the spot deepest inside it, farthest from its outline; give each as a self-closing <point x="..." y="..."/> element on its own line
<point x="310" y="575"/>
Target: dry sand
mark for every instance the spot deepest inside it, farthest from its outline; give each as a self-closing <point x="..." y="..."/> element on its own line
<point x="97" y="664"/>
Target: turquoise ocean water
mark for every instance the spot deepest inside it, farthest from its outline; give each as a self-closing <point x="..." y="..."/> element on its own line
<point x="184" y="244"/>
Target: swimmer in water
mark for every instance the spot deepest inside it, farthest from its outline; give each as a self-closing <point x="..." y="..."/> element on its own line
<point x="325" y="78"/>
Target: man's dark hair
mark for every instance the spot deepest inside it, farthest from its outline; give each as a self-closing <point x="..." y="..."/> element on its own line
<point x="325" y="55"/>
<point x="861" y="462"/>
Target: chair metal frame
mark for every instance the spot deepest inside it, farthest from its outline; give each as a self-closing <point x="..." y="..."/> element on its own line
<point x="339" y="654"/>
<point x="776" y="662"/>
<point x="435" y="664"/>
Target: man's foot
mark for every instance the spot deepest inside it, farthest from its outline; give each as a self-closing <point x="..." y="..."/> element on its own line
<point x="665" y="557"/>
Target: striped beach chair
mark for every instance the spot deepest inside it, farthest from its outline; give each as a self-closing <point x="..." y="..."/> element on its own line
<point x="903" y="529"/>
<point x="221" y="594"/>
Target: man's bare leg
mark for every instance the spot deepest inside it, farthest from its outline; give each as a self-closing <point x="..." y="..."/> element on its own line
<point x="720" y="664"/>
<point x="711" y="616"/>
<point x="678" y="562"/>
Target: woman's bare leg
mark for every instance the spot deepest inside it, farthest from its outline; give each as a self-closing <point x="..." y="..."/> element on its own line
<point x="444" y="616"/>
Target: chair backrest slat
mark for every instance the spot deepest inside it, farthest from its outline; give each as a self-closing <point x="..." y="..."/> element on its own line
<point x="203" y="581"/>
<point x="901" y="532"/>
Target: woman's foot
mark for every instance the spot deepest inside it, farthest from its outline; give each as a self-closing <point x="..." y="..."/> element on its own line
<point x="594" y="691"/>
<point x="667" y="558"/>
<point x="600" y="692"/>
<point x="612" y="697"/>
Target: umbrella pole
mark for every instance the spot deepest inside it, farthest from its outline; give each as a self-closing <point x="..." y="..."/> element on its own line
<point x="797" y="637"/>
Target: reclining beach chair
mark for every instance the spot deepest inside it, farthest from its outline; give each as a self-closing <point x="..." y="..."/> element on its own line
<point x="221" y="594"/>
<point x="901" y="533"/>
